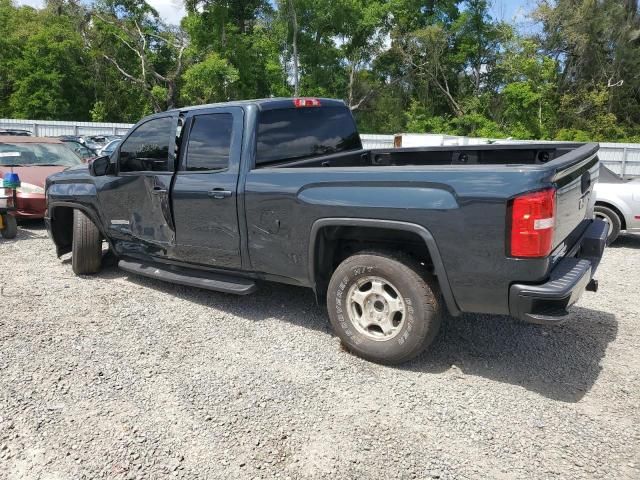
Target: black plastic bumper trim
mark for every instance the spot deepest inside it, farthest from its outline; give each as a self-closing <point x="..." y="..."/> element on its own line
<point x="548" y="303"/>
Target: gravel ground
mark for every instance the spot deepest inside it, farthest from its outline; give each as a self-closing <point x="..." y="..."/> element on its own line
<point x="116" y="376"/>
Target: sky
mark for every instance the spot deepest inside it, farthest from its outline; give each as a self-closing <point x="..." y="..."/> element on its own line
<point x="172" y="11"/>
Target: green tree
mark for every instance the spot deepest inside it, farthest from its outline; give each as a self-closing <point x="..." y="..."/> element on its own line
<point x="597" y="45"/>
<point x="528" y="99"/>
<point x="208" y="81"/>
<point x="147" y="53"/>
<point x="51" y="74"/>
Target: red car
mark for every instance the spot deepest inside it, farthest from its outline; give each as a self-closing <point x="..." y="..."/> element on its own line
<point x="33" y="159"/>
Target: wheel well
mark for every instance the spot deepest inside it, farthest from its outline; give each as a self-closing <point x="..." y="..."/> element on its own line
<point x="62" y="228"/>
<point x="335" y="243"/>
<point x="623" y="223"/>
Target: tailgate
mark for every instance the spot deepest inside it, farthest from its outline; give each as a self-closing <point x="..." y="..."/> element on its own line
<point x="574" y="177"/>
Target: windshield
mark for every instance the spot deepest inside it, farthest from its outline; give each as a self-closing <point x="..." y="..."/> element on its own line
<point x="111" y="146"/>
<point x="33" y="154"/>
<point x="607" y="176"/>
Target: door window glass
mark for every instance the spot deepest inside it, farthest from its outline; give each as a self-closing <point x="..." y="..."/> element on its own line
<point x="147" y="148"/>
<point x="209" y="142"/>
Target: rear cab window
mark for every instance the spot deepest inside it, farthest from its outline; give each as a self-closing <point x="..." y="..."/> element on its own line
<point x="289" y="134"/>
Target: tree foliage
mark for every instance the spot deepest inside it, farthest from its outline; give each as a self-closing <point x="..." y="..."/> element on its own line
<point x="441" y="66"/>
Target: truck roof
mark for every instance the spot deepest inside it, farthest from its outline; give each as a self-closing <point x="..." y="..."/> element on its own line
<point x="262" y="103"/>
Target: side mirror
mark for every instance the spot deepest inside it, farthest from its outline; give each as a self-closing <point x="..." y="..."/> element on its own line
<point x="101" y="166"/>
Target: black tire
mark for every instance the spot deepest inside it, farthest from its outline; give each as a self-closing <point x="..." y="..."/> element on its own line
<point x="417" y="290"/>
<point x="612" y="219"/>
<point x="86" y="254"/>
<point x="10" y="229"/>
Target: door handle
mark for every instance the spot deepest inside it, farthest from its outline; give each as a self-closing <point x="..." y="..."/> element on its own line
<point x="219" y="193"/>
<point x="158" y="190"/>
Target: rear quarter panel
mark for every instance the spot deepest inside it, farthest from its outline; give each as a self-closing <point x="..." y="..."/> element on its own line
<point x="463" y="208"/>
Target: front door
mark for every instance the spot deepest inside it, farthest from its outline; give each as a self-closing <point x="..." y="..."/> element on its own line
<point x="136" y="204"/>
<point x="204" y="194"/>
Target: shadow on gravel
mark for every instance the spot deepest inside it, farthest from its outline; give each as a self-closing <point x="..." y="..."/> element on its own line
<point x="629" y="240"/>
<point x="31" y="225"/>
<point x="292" y="304"/>
<point x="561" y="362"/>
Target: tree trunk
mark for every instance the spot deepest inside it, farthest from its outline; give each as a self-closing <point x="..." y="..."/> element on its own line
<point x="171" y="94"/>
<point x="296" y="75"/>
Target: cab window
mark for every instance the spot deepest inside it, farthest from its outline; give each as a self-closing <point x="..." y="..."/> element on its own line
<point x="209" y="142"/>
<point x="147" y="148"/>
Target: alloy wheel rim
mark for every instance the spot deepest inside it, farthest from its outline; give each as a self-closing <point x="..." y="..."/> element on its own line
<point x="376" y="308"/>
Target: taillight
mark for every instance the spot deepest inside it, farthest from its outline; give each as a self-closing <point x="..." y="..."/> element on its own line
<point x="533" y="223"/>
<point x="306" y="102"/>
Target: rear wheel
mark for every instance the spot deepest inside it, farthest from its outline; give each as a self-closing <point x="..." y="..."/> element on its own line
<point x="383" y="306"/>
<point x="612" y="219"/>
<point x="86" y="254"/>
<point x="10" y="226"/>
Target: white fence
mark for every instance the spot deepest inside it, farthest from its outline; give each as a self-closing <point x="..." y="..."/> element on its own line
<point x="622" y="158"/>
<point x="53" y="128"/>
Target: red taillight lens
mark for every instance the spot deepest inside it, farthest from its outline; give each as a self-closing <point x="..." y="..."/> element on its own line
<point x="533" y="223"/>
<point x="306" y="102"/>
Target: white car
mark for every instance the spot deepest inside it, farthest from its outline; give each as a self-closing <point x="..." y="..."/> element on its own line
<point x="110" y="147"/>
<point x="617" y="203"/>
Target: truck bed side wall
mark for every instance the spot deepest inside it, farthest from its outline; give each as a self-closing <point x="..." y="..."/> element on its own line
<point x="467" y="223"/>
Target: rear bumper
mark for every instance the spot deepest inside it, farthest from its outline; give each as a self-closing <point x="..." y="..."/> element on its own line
<point x="548" y="303"/>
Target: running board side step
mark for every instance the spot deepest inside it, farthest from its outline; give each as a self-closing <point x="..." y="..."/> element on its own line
<point x="191" y="278"/>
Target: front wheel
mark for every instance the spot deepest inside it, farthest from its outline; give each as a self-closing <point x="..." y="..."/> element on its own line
<point x="612" y="220"/>
<point x="86" y="253"/>
<point x="10" y="226"/>
<point x="383" y="306"/>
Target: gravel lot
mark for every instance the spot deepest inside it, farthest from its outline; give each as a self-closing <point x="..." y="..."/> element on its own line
<point x="116" y="376"/>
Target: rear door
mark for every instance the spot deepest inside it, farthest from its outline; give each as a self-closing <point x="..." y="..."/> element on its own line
<point x="136" y="204"/>
<point x="204" y="194"/>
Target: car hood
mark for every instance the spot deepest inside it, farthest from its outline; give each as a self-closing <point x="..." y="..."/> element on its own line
<point x="34" y="175"/>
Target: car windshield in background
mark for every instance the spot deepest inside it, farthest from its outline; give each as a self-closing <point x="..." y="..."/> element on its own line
<point x="297" y="133"/>
<point x="34" y="154"/>
<point x="607" y="176"/>
<point x="110" y="147"/>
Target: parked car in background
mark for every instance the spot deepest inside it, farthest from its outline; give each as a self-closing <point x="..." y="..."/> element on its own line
<point x="14" y="132"/>
<point x="109" y="148"/>
<point x="33" y="159"/>
<point x="84" y="152"/>
<point x="617" y="203"/>
<point x="99" y="141"/>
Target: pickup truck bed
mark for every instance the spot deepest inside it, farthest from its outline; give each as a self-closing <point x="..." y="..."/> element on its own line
<point x="289" y="195"/>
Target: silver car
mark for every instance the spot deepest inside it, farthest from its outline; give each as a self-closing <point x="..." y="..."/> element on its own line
<point x="110" y="147"/>
<point x="617" y="203"/>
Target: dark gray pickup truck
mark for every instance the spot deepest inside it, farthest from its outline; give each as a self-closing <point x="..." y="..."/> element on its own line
<point x="218" y="196"/>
